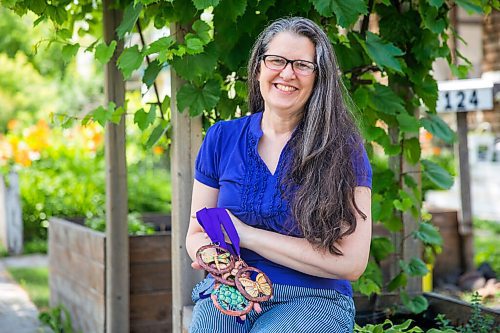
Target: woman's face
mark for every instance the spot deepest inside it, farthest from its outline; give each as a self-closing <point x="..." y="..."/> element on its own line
<point x="285" y="91"/>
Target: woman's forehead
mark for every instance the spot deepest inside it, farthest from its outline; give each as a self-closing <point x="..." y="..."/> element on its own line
<point x="292" y="46"/>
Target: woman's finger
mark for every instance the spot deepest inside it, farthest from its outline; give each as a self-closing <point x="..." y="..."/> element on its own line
<point x="257" y="308"/>
<point x="244" y="317"/>
<point x="195" y="265"/>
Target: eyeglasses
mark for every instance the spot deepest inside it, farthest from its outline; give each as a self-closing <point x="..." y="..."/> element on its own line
<point x="278" y="63"/>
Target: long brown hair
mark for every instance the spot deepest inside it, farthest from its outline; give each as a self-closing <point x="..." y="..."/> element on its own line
<point x="320" y="178"/>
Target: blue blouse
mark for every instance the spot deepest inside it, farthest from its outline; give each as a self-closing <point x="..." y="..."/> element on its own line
<point x="229" y="161"/>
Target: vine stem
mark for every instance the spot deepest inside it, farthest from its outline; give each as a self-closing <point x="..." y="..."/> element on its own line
<point x="155" y="86"/>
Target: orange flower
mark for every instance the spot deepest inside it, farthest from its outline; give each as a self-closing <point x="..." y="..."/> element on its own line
<point x="157" y="150"/>
<point x="37" y="137"/>
<point x="12" y="124"/>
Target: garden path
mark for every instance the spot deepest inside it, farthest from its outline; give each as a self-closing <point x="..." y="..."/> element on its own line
<point x="17" y="312"/>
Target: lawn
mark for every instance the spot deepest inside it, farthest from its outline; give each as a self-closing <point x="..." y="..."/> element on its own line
<point x="36" y="282"/>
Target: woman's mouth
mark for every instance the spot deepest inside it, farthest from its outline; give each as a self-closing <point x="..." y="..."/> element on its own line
<point x="284" y="88"/>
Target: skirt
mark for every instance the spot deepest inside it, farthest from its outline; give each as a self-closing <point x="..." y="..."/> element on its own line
<point x="292" y="309"/>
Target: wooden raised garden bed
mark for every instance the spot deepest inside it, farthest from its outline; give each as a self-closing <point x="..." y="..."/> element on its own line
<point x="77" y="277"/>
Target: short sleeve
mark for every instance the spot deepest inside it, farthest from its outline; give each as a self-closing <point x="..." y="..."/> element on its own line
<point x="362" y="167"/>
<point x="206" y="168"/>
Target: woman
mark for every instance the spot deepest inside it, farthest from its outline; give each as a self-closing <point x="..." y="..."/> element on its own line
<point x="296" y="180"/>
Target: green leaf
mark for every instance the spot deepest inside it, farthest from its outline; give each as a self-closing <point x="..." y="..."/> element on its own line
<point x="102" y="114"/>
<point x="151" y="73"/>
<point x="130" y="60"/>
<point x="399" y="281"/>
<point x="436" y="174"/>
<point x="159" y="45"/>
<point x="383" y="53"/>
<point x="428" y="234"/>
<point x="384" y="100"/>
<point x="470" y="6"/>
<point x="408" y="123"/>
<point x="431" y="18"/>
<point x="439" y="128"/>
<point x="69" y="51"/>
<point x="57" y="14"/>
<point x="103" y="52"/>
<point x="202" y="4"/>
<point x="157" y="133"/>
<point x="141" y="119"/>
<point x="393" y="223"/>
<point x="381" y="247"/>
<point x="416" y="304"/>
<point x="403" y="326"/>
<point x="198" y="99"/>
<point x="202" y="29"/>
<point x="436" y="3"/>
<point x="372" y="133"/>
<point x="165" y="105"/>
<point x="460" y="71"/>
<point x="192" y="66"/>
<point x="371" y="280"/>
<point x="130" y="16"/>
<point x="416" y="267"/>
<point x="233" y="9"/>
<point x="116" y="116"/>
<point x="346" y="12"/>
<point x="360" y="97"/>
<point x="427" y="89"/>
<point x="412" y="150"/>
<point x="194" y="44"/>
<point x="63" y="33"/>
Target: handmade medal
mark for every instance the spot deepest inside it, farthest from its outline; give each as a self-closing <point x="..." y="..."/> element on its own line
<point x="230" y="301"/>
<point x="215" y="259"/>
<point x="254" y="284"/>
<point x="238" y="285"/>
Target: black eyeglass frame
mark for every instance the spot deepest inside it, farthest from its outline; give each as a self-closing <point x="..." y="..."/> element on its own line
<point x="288" y="61"/>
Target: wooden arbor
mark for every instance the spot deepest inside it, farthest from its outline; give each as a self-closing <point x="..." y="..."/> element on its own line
<point x="186" y="142"/>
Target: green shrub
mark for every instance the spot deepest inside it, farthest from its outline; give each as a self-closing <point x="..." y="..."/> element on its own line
<point x="58" y="319"/>
<point x="135" y="225"/>
<point x="69" y="181"/>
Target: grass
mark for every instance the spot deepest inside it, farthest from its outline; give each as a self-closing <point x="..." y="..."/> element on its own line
<point x="486" y="249"/>
<point x="36" y="282"/>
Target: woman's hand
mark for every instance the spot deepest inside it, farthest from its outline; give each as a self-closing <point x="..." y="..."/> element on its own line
<point x="241" y="228"/>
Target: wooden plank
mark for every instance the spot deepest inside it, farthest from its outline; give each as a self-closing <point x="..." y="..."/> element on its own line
<point x="465" y="215"/>
<point x="150" y="248"/>
<point x="77" y="267"/>
<point x="149" y="308"/>
<point x="87" y="308"/>
<point x="160" y="327"/>
<point x="78" y="238"/>
<point x="150" y="277"/>
<point x="117" y="254"/>
<point x="186" y="142"/>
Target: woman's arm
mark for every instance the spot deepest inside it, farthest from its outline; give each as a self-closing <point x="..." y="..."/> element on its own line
<point x="300" y="255"/>
<point x="203" y="196"/>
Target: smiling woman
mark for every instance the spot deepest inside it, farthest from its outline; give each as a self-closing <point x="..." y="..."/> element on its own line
<point x="295" y="179"/>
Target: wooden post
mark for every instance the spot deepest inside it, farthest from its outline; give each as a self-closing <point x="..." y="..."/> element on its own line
<point x="186" y="142"/>
<point x="11" y="214"/>
<point x="405" y="245"/>
<point x="117" y="249"/>
<point x="465" y="214"/>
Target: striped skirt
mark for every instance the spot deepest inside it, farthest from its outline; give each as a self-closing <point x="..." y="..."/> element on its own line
<point x="291" y="310"/>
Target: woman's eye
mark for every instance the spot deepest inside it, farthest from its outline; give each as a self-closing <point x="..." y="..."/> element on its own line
<point x="278" y="62"/>
<point x="303" y="65"/>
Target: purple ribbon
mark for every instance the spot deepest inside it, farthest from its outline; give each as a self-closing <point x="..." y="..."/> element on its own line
<point x="213" y="220"/>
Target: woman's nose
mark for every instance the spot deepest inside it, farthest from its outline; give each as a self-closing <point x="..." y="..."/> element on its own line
<point x="287" y="72"/>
